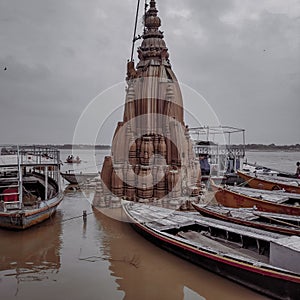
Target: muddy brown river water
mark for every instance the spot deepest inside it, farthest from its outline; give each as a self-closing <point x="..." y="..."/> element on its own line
<point x="64" y="258"/>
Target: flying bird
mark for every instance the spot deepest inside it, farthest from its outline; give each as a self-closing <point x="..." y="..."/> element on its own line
<point x="5" y="68"/>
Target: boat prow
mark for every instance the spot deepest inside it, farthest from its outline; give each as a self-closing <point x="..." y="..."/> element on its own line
<point x="78" y="178"/>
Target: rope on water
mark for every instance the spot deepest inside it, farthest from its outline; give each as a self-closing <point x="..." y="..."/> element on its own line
<point x="76" y="217"/>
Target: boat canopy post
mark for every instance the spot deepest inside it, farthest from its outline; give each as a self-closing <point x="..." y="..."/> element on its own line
<point x="46" y="182"/>
<point x="20" y="177"/>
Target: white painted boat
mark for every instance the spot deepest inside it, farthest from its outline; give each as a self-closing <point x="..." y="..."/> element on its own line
<point x="30" y="188"/>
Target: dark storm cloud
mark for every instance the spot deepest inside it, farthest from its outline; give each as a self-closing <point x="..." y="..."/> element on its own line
<point x="242" y="56"/>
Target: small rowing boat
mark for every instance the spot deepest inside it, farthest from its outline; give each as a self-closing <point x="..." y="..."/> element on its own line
<point x="271" y="183"/>
<point x="259" y="169"/>
<point x="278" y="202"/>
<point x="280" y="223"/>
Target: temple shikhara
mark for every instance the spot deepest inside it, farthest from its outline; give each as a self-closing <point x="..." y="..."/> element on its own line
<point x="152" y="156"/>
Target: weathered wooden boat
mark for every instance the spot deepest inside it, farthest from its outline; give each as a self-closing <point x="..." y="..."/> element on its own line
<point x="269" y="201"/>
<point x="280" y="223"/>
<point x="29" y="186"/>
<point x="263" y="261"/>
<point x="71" y="160"/>
<point x="258" y="181"/>
<point x="78" y="178"/>
<point x="259" y="169"/>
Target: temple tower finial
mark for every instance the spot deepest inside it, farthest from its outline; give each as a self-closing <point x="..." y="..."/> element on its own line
<point x="152" y="21"/>
<point x="153" y="45"/>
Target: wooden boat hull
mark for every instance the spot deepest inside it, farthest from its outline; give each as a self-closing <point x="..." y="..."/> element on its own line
<point x="24" y="219"/>
<point x="73" y="161"/>
<point x="77" y="178"/>
<point x="260" y="183"/>
<point x="266" y="226"/>
<point x="267" y="170"/>
<point x="269" y="282"/>
<point x="230" y="198"/>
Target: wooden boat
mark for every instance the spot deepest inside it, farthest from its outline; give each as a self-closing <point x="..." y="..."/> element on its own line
<point x="29" y="186"/>
<point x="285" y="224"/>
<point x="71" y="160"/>
<point x="255" y="258"/>
<point x="259" y="169"/>
<point x="269" y="201"/>
<point x="271" y="183"/>
<point x="78" y="178"/>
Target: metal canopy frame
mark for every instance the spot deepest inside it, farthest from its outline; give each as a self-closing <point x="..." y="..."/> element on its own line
<point x="219" y="153"/>
<point x="217" y="130"/>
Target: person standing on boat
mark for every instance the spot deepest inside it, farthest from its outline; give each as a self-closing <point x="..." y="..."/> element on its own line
<point x="298" y="170"/>
<point x="204" y="165"/>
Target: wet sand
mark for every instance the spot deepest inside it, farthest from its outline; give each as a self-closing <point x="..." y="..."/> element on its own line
<point x="64" y="258"/>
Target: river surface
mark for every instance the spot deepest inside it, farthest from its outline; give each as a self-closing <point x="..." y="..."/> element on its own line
<point x="66" y="258"/>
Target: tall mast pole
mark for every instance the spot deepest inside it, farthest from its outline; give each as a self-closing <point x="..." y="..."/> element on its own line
<point x="145" y="10"/>
<point x="134" y="32"/>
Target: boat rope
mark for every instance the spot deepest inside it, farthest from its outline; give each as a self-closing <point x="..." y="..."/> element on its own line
<point x="134" y="39"/>
<point x="245" y="182"/>
<point x="76" y="217"/>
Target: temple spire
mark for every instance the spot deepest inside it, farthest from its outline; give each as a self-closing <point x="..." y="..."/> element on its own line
<point x="151" y="156"/>
<point x="153" y="45"/>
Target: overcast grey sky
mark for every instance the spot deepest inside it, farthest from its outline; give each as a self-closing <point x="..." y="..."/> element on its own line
<point x="242" y="56"/>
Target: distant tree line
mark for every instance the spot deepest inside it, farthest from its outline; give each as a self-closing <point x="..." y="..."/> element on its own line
<point x="83" y="146"/>
<point x="295" y="147"/>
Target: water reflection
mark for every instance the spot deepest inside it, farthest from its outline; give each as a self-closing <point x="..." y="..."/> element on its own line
<point x="144" y="271"/>
<point x="33" y="254"/>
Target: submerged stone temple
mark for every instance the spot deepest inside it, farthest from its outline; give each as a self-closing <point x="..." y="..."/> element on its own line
<point x="152" y="155"/>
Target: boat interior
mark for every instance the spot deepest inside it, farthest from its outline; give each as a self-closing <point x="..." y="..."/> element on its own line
<point x="225" y="241"/>
<point x="34" y="189"/>
<point x="279" y="196"/>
